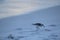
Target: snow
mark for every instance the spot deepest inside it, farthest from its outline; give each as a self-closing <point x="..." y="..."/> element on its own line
<point x="21" y="26"/>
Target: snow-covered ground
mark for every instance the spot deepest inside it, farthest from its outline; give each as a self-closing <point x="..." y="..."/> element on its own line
<point x="21" y="28"/>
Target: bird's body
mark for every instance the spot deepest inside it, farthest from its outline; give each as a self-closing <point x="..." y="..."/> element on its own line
<point x="38" y="24"/>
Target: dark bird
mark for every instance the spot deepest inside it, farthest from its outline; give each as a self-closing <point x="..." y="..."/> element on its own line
<point x="39" y="24"/>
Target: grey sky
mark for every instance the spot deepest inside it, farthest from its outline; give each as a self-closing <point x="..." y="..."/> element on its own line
<point x="18" y="7"/>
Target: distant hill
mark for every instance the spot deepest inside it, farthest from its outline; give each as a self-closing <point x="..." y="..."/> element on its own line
<point x="46" y="16"/>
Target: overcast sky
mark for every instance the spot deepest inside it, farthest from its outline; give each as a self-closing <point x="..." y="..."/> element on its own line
<point x="18" y="7"/>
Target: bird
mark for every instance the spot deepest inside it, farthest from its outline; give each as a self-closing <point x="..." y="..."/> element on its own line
<point x="38" y="25"/>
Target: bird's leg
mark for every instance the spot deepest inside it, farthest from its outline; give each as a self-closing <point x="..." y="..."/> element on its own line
<point x="37" y="28"/>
